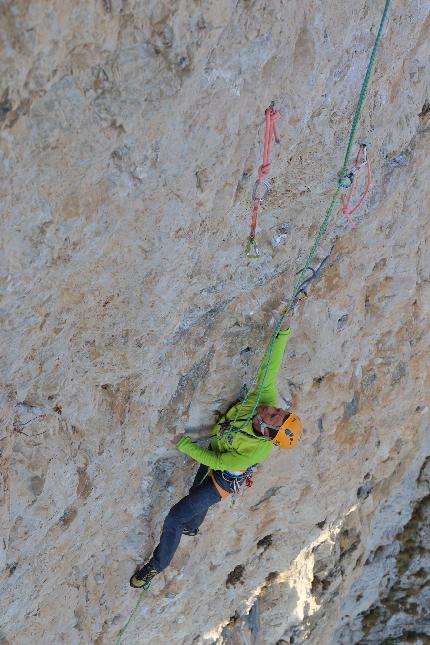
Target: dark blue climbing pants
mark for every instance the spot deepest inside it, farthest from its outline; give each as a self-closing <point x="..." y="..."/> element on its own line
<point x="188" y="513"/>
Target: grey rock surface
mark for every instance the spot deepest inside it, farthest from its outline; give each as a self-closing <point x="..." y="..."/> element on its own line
<point x="131" y="133"/>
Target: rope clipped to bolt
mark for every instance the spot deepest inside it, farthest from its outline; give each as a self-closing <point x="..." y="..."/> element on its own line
<point x="362" y="160"/>
<point x="343" y="178"/>
<point x="262" y="186"/>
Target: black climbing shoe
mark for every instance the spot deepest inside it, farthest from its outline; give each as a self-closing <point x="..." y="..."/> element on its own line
<point x="191" y="532"/>
<point x="142" y="578"/>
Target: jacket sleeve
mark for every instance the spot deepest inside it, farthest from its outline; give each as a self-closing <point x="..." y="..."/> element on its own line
<point x="231" y="460"/>
<point x="269" y="393"/>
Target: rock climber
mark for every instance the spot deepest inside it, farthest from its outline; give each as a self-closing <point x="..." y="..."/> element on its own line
<point x="224" y="466"/>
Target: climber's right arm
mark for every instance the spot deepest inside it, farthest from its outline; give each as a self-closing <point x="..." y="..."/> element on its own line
<point x="230" y="460"/>
<point x="269" y="392"/>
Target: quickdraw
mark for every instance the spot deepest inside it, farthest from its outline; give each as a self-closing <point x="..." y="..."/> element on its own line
<point x="349" y="181"/>
<point x="262" y="185"/>
<point x="304" y="286"/>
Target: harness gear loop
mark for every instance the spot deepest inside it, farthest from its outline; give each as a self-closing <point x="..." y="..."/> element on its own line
<point x="361" y="160"/>
<point x="271" y="132"/>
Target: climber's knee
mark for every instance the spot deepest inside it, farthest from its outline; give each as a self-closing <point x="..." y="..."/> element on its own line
<point x="176" y="517"/>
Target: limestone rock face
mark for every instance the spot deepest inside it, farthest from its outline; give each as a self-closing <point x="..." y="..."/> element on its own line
<point x="131" y="134"/>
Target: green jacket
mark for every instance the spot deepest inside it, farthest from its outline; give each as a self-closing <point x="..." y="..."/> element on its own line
<point x="244" y="450"/>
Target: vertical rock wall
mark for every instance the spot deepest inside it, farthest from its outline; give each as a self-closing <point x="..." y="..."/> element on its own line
<point x="130" y="137"/>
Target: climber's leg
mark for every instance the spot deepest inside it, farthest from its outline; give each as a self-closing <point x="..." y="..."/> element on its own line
<point x="181" y="516"/>
<point x="200" y="476"/>
<point x="192" y="527"/>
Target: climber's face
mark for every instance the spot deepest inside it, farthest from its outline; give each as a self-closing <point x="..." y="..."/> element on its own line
<point x="272" y="416"/>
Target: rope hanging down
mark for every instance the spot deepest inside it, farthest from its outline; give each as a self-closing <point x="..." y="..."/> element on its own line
<point x="271" y="131"/>
<point x="130" y="618"/>
<point x="343" y="178"/>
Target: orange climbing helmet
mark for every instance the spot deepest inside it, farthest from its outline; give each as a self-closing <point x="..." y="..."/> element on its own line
<point x="289" y="433"/>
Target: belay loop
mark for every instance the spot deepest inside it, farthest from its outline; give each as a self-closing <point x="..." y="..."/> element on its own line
<point x="349" y="181"/>
<point x="262" y="186"/>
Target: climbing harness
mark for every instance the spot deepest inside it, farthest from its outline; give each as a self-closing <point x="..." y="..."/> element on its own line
<point x="350" y="182"/>
<point x="246" y="482"/>
<point x="222" y="491"/>
<point x="262" y="185"/>
<point x="233" y="482"/>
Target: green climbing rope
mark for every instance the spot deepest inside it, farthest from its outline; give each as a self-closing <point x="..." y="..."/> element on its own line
<point x="132" y="615"/>
<point x="363" y="93"/>
<point x="328" y="214"/>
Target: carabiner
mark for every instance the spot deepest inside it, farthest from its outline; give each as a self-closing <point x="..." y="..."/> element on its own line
<point x="251" y="248"/>
<point x="360" y="161"/>
<point x="304" y="286"/>
<point x="350" y="177"/>
<point x="363" y="150"/>
<point x="263" y="193"/>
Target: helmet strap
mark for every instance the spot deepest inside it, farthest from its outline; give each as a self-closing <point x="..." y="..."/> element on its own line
<point x="264" y="425"/>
